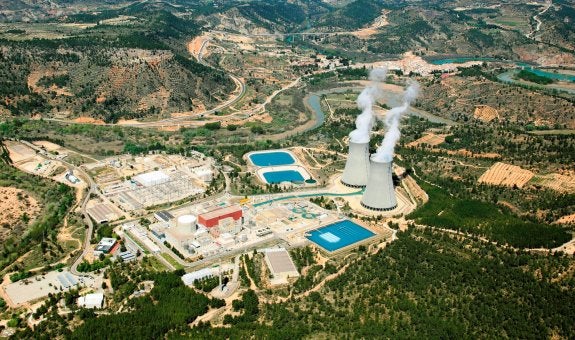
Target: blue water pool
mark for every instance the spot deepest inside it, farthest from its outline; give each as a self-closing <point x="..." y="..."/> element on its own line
<point x="274" y="177"/>
<point x="272" y="158"/>
<point x="338" y="235"/>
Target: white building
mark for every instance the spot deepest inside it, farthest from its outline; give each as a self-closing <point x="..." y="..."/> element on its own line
<point x="94" y="300"/>
<point x="149" y="179"/>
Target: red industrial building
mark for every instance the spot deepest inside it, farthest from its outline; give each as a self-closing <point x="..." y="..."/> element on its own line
<point x="212" y="218"/>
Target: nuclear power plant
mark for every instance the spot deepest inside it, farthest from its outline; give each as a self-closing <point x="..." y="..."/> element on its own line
<point x="379" y="194"/>
<point x="356" y="169"/>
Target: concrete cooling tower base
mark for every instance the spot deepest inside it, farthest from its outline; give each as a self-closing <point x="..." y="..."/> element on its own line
<point x="378" y="209"/>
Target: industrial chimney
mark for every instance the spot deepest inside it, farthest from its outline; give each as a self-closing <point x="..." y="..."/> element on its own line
<point x="356" y="168"/>
<point x="379" y="194"/>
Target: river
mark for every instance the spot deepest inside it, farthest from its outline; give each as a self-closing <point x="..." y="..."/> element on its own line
<point x="390" y="98"/>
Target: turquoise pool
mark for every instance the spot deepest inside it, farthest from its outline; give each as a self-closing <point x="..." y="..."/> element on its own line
<point x="273" y="158"/>
<point x="274" y="177"/>
<point x="338" y="235"/>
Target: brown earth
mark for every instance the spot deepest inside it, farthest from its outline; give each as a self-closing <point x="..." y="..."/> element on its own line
<point x="485" y="113"/>
<point x="429" y="139"/>
<point x="559" y="182"/>
<point x="366" y="33"/>
<point x="14" y="203"/>
<point x="568" y="219"/>
<point x="506" y="174"/>
<point x="88" y="120"/>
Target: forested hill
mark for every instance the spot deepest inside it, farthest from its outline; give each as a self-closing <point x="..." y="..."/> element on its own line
<point x="427" y="284"/>
<point x="125" y="63"/>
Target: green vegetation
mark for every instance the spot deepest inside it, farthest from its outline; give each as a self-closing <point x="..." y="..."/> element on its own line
<point x="302" y="257"/>
<point x="58" y="80"/>
<point x="170" y="304"/>
<point x="86" y="267"/>
<point x="486" y="219"/>
<point x="275" y="15"/>
<point x="253" y="265"/>
<point x="478" y="38"/>
<point x="207" y="284"/>
<point x="55" y="199"/>
<point x="172" y="261"/>
<point x="249" y="305"/>
<point x="353" y="15"/>
<point x="534" y="78"/>
<point x="428" y="284"/>
<point x="20" y="276"/>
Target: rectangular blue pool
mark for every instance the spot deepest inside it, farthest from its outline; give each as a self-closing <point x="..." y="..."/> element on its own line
<point x="272" y="158"/>
<point x="338" y="235"/>
<point x="274" y="177"/>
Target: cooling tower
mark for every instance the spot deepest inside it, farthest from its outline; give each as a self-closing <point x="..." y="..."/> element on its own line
<point x="357" y="165"/>
<point x="379" y="194"/>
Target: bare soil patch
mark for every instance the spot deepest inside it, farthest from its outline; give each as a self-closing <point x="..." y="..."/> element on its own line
<point x="429" y="139"/>
<point x="366" y="33"/>
<point x="485" y="113"/>
<point x="19" y="152"/>
<point x="506" y="174"/>
<point x="16" y="206"/>
<point x="88" y="120"/>
<point x="567" y="219"/>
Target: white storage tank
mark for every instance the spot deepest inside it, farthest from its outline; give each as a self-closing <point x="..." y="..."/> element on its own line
<point x="187" y="223"/>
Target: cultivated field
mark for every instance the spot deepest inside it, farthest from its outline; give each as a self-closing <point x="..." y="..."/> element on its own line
<point x="506" y="174"/>
<point x="429" y="139"/>
<point x="485" y="113"/>
<point x="558" y="182"/>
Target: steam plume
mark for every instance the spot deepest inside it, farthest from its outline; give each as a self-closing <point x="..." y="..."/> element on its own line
<point x="365" y="101"/>
<point x="385" y="152"/>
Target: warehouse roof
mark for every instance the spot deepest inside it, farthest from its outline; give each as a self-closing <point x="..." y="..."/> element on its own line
<point x="280" y="262"/>
<point x="164" y="216"/>
<point x="222" y="211"/>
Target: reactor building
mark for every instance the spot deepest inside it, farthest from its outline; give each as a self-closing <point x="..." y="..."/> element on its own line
<point x="356" y="171"/>
<point x="379" y="194"/>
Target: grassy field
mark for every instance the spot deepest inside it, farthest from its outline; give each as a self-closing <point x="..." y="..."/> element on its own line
<point x="172" y="261"/>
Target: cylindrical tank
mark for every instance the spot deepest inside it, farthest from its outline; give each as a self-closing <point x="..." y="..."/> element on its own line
<point x="187" y="222"/>
<point x="379" y="193"/>
<point x="356" y="168"/>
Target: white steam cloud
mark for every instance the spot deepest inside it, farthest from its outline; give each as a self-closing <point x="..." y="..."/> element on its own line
<point x="365" y="101"/>
<point x="385" y="152"/>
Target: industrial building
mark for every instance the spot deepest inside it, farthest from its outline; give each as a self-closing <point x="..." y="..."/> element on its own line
<point x="212" y="218"/>
<point x="356" y="171"/>
<point x="151" y="178"/>
<point x="106" y="246"/>
<point x="93" y="301"/>
<point x="280" y="264"/>
<point x="379" y="193"/>
<point x="103" y="213"/>
<point x="127" y="256"/>
<point x="187" y="223"/>
<point x="163" y="216"/>
<point x="189" y="278"/>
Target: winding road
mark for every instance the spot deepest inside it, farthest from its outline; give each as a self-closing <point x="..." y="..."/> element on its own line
<point x="93" y="189"/>
<point x="548" y="5"/>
